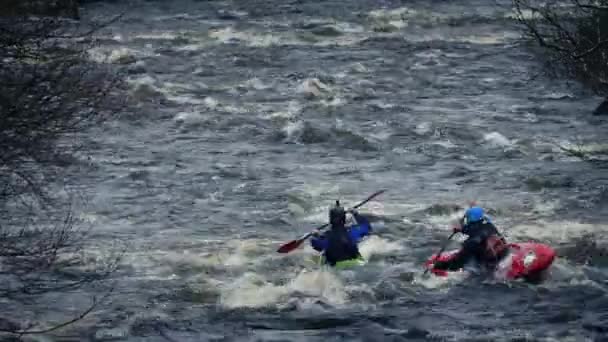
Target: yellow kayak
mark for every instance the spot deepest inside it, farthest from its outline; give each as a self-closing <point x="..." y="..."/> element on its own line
<point x="350" y="263"/>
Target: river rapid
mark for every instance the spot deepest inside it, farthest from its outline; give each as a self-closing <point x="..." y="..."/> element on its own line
<point x="253" y="117"/>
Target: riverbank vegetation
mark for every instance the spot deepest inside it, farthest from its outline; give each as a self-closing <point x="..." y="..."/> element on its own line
<point x="50" y="93"/>
<point x="570" y="38"/>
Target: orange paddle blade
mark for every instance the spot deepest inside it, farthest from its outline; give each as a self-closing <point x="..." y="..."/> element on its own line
<point x="290" y="246"/>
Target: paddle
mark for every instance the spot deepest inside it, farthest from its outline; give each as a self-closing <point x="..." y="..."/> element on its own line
<point x="291" y="245"/>
<point x="445" y="245"/>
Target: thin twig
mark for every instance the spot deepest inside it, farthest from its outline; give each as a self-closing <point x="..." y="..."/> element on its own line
<point x="64" y="324"/>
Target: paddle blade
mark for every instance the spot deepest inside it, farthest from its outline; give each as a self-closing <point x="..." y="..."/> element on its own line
<point x="290" y="246"/>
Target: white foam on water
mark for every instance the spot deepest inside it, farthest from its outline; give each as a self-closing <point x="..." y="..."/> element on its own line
<point x="486" y="39"/>
<point x="189" y="118"/>
<point x="177" y="87"/>
<point x="256" y="83"/>
<point x="112" y="333"/>
<point x="423" y="128"/>
<point x="120" y="55"/>
<point x="562" y="273"/>
<point x="544" y="207"/>
<point x="444" y="222"/>
<point x="175" y="258"/>
<point x="495" y="139"/>
<point x="196" y="262"/>
<point x="250" y="290"/>
<point x="185" y="99"/>
<point x="359" y="67"/>
<point x="192" y="47"/>
<point x="293" y="130"/>
<point x="481" y="39"/>
<point x="431" y="281"/>
<point x="558" y="95"/>
<point x="321" y="189"/>
<point x="265" y="39"/>
<point x="382" y="135"/>
<point x="291" y="112"/>
<point x="320" y="283"/>
<point x="348" y="27"/>
<point x="313" y="87"/>
<point x="445" y="144"/>
<point x="588" y="282"/>
<point x="145" y="86"/>
<point x="250" y="38"/>
<point x="210" y="102"/>
<point x="556" y="231"/>
<point x="592" y="150"/>
<point x="397" y="18"/>
<point x="243" y="251"/>
<point x="253" y="290"/>
<point x="157" y="36"/>
<point x="376" y="245"/>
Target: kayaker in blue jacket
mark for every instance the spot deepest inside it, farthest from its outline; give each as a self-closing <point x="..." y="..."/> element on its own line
<point x="484" y="245"/>
<point x="340" y="243"/>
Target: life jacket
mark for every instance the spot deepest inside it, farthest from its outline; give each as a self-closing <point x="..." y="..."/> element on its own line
<point x="340" y="246"/>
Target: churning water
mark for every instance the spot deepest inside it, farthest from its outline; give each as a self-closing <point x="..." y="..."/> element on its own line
<point x="253" y="116"/>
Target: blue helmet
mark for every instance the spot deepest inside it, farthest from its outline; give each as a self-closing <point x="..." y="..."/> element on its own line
<point x="474" y="214"/>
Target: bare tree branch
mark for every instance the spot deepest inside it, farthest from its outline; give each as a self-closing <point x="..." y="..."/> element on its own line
<point x="590" y="6"/>
<point x="50" y="94"/>
<point x="591" y="50"/>
<point x="79" y="317"/>
<point x="573" y="40"/>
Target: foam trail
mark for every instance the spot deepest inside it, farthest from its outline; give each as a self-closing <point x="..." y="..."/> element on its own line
<point x="253" y="290"/>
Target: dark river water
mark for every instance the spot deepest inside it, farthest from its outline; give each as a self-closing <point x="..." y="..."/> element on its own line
<point x="253" y="116"/>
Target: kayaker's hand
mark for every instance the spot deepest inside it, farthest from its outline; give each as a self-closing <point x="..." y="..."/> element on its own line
<point x="353" y="211"/>
<point x="316" y="232"/>
<point x="457" y="229"/>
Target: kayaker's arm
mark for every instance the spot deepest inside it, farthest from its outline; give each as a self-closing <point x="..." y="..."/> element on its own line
<point x="362" y="222"/>
<point x="362" y="229"/>
<point x="455" y="263"/>
<point x="319" y="243"/>
<point x="462" y="257"/>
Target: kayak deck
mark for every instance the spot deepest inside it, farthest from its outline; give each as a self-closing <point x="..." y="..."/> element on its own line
<point x="350" y="263"/>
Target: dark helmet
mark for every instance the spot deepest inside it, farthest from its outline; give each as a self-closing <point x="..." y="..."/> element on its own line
<point x="337" y="216"/>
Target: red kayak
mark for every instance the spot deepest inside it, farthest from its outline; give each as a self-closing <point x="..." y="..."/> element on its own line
<point x="524" y="260"/>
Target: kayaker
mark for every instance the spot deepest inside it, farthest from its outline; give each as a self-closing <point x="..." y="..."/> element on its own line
<point x="340" y="243"/>
<point x="484" y="245"/>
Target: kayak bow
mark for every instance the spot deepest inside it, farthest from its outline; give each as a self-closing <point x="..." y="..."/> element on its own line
<point x="319" y="259"/>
